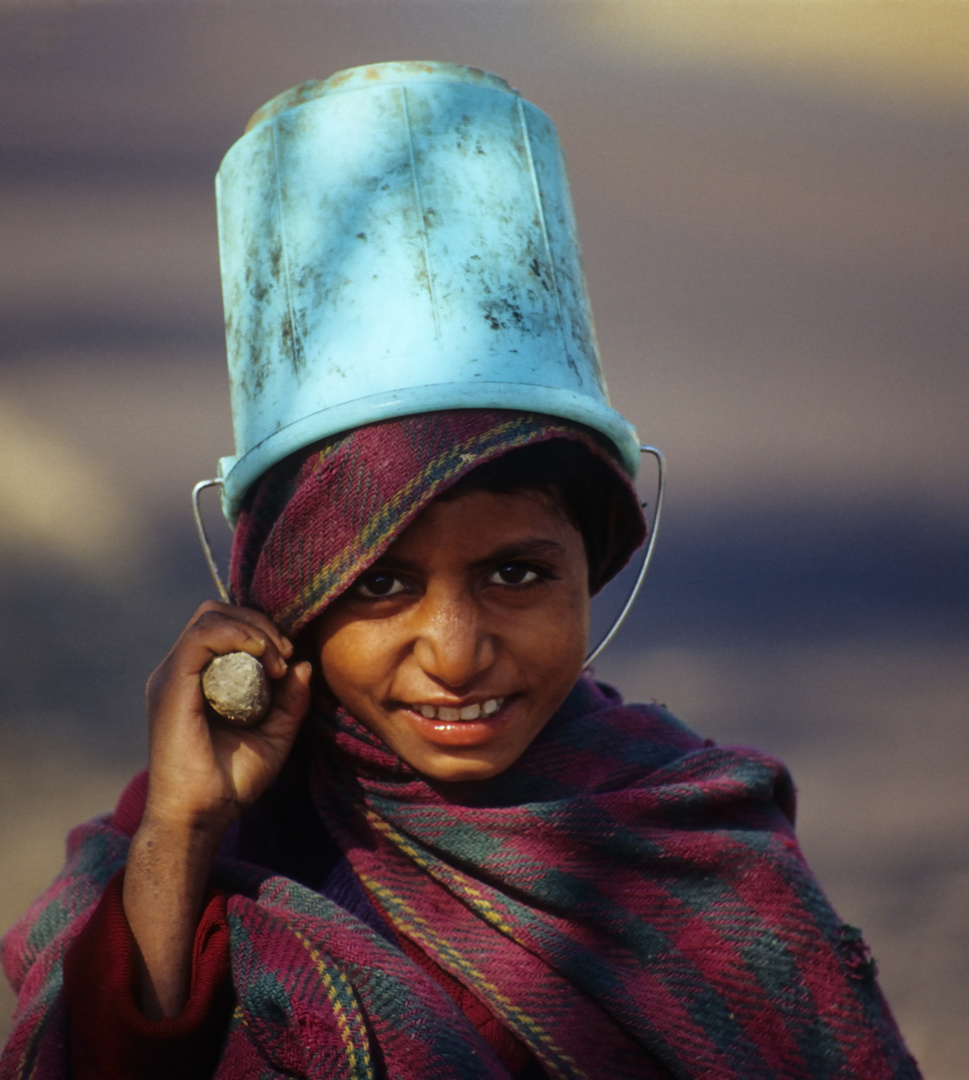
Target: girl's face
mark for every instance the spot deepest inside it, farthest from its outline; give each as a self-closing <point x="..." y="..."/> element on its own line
<point x="460" y="643"/>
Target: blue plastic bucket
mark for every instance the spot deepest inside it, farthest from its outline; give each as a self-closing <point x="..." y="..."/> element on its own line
<point x="400" y="239"/>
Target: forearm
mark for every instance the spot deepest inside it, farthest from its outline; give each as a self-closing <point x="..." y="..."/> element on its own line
<point x="202" y="775"/>
<point x="164" y="891"/>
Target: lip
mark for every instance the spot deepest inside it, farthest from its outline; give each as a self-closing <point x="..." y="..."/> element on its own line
<point x="459" y="733"/>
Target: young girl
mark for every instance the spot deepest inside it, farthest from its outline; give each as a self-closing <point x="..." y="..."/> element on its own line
<point x="447" y="851"/>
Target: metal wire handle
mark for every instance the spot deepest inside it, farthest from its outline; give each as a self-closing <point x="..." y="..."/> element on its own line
<point x="204" y="538"/>
<point x="610" y="633"/>
<point x="647" y="553"/>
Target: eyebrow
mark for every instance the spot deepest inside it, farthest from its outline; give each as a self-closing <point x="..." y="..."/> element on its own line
<point x="527" y="547"/>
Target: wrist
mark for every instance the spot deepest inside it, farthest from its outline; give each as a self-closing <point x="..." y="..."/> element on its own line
<point x="183" y="845"/>
<point x="175" y="820"/>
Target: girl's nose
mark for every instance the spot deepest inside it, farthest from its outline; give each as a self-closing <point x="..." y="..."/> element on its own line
<point x="451" y="644"/>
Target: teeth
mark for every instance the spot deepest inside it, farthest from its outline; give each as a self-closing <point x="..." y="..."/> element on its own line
<point x="469" y="712"/>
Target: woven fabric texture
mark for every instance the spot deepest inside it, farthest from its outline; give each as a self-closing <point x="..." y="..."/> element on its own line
<point x="628" y="899"/>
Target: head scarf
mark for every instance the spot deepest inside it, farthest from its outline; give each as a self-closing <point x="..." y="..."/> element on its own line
<point x="318" y="519"/>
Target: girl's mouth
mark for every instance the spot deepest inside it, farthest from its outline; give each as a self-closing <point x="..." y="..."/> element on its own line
<point x="450" y="714"/>
<point x="468" y="727"/>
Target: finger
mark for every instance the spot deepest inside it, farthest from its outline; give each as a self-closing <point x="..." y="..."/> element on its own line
<point x="291" y="702"/>
<point x="221" y="629"/>
<point x="291" y="699"/>
<point x="251" y="758"/>
<point x="262" y="625"/>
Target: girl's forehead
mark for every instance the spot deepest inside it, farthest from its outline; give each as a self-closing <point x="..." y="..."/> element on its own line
<point x="470" y="521"/>
<point x="539" y="499"/>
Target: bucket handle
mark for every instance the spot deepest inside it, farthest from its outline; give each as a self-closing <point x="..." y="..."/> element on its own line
<point x="610" y="633"/>
<point x="647" y="552"/>
<point x="204" y="538"/>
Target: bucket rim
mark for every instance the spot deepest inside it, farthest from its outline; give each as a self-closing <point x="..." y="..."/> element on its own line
<point x="239" y="473"/>
<point x="366" y="76"/>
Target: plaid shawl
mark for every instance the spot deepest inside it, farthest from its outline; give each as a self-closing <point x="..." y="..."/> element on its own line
<point x="627" y="898"/>
<point x="321" y="517"/>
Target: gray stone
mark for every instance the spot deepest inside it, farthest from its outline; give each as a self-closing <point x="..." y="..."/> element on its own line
<point x="236" y="687"/>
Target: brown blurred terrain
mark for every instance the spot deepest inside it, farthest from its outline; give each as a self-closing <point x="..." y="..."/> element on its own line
<point x="774" y="217"/>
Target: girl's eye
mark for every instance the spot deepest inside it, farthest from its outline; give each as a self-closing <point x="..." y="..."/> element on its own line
<point x="378" y="585"/>
<point x="515" y="574"/>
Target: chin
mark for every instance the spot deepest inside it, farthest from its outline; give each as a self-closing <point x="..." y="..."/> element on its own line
<point x="460" y="770"/>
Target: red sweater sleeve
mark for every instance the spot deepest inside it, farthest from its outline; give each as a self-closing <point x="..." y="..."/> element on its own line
<point x="111" y="1039"/>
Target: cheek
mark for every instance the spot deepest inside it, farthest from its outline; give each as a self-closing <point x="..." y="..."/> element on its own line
<point x="576" y="610"/>
<point x="347" y="662"/>
<point x="561" y="641"/>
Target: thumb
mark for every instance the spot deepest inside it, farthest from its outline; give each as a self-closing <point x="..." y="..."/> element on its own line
<point x="291" y="702"/>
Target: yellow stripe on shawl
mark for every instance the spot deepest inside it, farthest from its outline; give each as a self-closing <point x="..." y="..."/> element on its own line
<point x="333" y="989"/>
<point x="422" y="931"/>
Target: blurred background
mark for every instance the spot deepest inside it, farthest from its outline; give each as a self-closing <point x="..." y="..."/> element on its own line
<point x="772" y="201"/>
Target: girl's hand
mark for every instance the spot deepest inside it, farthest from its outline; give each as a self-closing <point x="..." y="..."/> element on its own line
<point x="203" y="774"/>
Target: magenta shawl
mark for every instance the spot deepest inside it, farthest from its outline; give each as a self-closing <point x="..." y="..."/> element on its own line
<point x="627" y="898"/>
